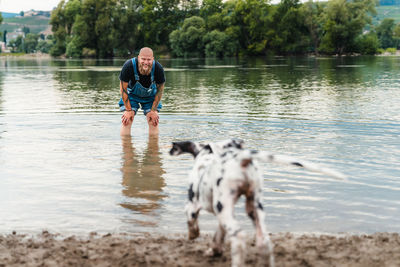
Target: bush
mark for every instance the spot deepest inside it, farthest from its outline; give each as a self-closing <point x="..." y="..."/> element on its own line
<point x="87" y="52"/>
<point x="188" y="41"/>
<point x="380" y="51"/>
<point x="44" y="46"/>
<point x="391" y="50"/>
<point x="368" y="44"/>
<point x="73" y="49"/>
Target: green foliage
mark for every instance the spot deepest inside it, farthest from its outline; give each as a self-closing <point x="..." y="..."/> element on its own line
<point x="253" y="18"/>
<point x="391" y="50"/>
<point x="291" y="32"/>
<point x="30" y="42"/>
<point x="368" y="44"/>
<point x="16" y="45"/>
<point x="344" y="21"/>
<point x="217" y="28"/>
<point x="218" y="44"/>
<point x="385" y="32"/>
<point x="74" y="49"/>
<point x="188" y="41"/>
<point x="313" y="14"/>
<point x="44" y="46"/>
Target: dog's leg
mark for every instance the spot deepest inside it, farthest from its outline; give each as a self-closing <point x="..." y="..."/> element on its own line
<point x="192" y="214"/>
<point x="218" y="240"/>
<point x="192" y="210"/>
<point x="224" y="208"/>
<point x="255" y="211"/>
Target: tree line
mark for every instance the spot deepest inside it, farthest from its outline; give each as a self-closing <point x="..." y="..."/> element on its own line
<point x="216" y="28"/>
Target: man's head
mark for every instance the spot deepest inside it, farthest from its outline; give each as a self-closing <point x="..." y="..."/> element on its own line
<point x="145" y="59"/>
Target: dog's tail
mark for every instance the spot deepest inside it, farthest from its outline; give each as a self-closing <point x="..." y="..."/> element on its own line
<point x="288" y="160"/>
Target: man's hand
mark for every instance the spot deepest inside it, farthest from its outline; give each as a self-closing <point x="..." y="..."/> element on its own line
<point x="152" y="117"/>
<point x="127" y="117"/>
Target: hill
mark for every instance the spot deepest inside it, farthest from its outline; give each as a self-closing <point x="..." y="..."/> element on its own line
<point x="36" y="21"/>
<point x="387" y="11"/>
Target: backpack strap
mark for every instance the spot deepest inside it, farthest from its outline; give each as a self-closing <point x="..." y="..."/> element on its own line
<point x="134" y="70"/>
<point x="152" y="71"/>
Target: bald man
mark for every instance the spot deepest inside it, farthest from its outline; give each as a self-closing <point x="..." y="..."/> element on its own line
<point x="142" y="82"/>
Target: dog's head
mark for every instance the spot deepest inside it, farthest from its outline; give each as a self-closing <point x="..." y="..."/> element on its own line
<point x="195" y="148"/>
<point x="184" y="147"/>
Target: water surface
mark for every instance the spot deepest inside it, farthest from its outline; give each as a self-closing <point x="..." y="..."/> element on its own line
<point x="64" y="167"/>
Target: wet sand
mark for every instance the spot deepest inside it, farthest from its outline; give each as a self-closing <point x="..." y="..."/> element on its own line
<point x="47" y="249"/>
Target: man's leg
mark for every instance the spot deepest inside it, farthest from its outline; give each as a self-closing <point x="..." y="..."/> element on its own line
<point x="153" y="129"/>
<point x="127" y="125"/>
<point x="126" y="128"/>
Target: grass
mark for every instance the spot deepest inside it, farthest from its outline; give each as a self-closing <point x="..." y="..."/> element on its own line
<point x="12" y="54"/>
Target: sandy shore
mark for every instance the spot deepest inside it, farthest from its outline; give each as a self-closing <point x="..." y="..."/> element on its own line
<point x="46" y="249"/>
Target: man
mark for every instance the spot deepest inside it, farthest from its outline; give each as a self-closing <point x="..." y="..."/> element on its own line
<point x="142" y="82"/>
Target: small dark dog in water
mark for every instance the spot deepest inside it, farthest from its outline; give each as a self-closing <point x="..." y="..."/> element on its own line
<point x="223" y="172"/>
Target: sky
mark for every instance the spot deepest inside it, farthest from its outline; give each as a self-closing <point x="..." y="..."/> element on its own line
<point x="15" y="6"/>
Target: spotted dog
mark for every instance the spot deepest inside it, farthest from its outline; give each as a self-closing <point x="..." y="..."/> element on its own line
<point x="223" y="172"/>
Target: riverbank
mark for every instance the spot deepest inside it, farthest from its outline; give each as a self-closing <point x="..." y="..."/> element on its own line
<point x="46" y="249"/>
<point x="24" y="55"/>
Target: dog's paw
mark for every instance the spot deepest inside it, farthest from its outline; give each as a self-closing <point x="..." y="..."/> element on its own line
<point x="213" y="252"/>
<point x="195" y="233"/>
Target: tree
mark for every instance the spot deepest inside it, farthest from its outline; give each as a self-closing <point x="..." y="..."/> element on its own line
<point x="30" y="42"/>
<point x="57" y="21"/>
<point x="368" y="44"/>
<point x="26" y="30"/>
<point x="161" y="17"/>
<point x="254" y="19"/>
<point x="385" y="32"/>
<point x="188" y="41"/>
<point x="44" y="46"/>
<point x="291" y="33"/>
<point x="344" y="21"/>
<point x="17" y="44"/>
<point x="312" y="13"/>
<point x="218" y="44"/>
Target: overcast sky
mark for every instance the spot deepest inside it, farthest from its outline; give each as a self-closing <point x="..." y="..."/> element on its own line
<point x="15" y="6"/>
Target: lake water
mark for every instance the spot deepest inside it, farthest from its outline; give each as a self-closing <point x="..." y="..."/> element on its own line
<point x="64" y="167"/>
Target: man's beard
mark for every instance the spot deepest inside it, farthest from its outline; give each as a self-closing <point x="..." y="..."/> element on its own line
<point x="143" y="71"/>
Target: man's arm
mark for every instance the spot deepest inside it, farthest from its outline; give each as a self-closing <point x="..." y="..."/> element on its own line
<point x="123" y="87"/>
<point x="158" y="96"/>
<point x="152" y="116"/>
<point x="128" y="114"/>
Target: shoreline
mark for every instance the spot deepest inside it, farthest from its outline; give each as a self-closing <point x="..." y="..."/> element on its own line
<point x="145" y="249"/>
<point x="48" y="56"/>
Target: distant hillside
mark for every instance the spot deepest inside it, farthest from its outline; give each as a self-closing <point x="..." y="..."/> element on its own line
<point x="387" y="11"/>
<point x="37" y="22"/>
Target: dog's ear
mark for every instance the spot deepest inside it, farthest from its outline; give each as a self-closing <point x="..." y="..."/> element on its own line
<point x="238" y="143"/>
<point x="184" y="147"/>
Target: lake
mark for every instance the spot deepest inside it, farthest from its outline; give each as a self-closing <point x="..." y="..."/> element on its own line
<point x="64" y="167"/>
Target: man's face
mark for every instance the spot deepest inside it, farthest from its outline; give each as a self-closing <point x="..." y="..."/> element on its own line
<point x="145" y="63"/>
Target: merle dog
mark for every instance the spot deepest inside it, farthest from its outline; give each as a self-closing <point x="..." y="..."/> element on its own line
<point x="222" y="172"/>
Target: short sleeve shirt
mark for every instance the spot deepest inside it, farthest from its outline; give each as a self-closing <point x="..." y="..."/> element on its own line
<point x="127" y="74"/>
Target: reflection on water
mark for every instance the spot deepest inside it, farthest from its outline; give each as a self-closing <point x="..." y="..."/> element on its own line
<point x="142" y="176"/>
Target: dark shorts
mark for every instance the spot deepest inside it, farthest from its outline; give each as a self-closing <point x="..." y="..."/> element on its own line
<point x="145" y="106"/>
